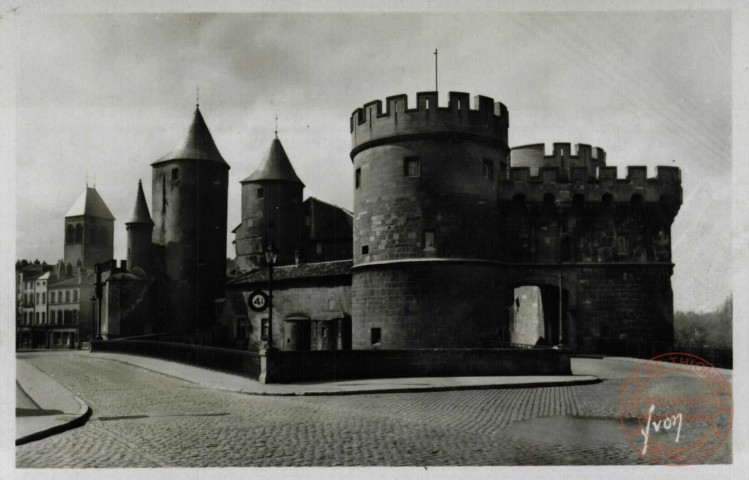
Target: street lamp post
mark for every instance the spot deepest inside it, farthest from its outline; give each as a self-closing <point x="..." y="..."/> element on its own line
<point x="270" y="258"/>
<point x="93" y="319"/>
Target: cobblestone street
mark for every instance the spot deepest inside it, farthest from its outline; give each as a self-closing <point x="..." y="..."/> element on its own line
<point x="145" y="419"/>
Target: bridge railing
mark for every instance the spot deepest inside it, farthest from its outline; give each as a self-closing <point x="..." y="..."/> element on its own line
<point x="237" y="362"/>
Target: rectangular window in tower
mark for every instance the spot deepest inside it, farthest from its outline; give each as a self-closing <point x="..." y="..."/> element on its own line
<point x="357" y="178"/>
<point x="376" y="336"/>
<point x="260" y="193"/>
<point x="175" y="174"/>
<point x="622" y="245"/>
<point x="488" y="169"/>
<point x="411" y="167"/>
<point x="429" y="240"/>
<point x="365" y="249"/>
<point x="264" y="323"/>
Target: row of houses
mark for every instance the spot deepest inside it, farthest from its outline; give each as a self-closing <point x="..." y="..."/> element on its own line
<point x="54" y="306"/>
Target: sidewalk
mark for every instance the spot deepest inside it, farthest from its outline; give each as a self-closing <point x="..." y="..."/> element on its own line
<point x="43" y="406"/>
<point x="227" y="382"/>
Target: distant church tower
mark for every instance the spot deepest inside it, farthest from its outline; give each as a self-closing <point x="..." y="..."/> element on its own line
<point x="271" y="211"/>
<point x="89" y="231"/>
<point x="139" y="233"/>
<point x="189" y="200"/>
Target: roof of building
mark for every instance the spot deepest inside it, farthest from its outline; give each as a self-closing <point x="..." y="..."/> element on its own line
<point x="90" y="204"/>
<point x="328" y="221"/>
<point x="89" y="278"/>
<point x="276" y="166"/>
<point x="140" y="212"/>
<point x="296" y="272"/>
<point x="198" y="144"/>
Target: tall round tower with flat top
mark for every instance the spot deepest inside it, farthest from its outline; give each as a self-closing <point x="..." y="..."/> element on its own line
<point x="426" y="219"/>
<point x="189" y="199"/>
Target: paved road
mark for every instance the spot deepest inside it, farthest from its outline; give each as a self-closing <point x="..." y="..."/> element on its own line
<point x="145" y="419"/>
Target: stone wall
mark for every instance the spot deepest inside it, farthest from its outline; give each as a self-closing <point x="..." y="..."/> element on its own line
<point x="290" y="367"/>
<point x="427" y="305"/>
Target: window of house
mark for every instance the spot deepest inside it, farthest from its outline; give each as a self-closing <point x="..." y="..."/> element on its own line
<point x="51" y="297"/>
<point x="376" y="336"/>
<point x="36" y="318"/>
<point x="67" y="296"/>
<point x="357" y="178"/>
<point x="324" y="332"/>
<point x="43" y="317"/>
<point x="37" y="298"/>
<point x="411" y="167"/>
<point x="365" y="249"/>
<point x="318" y="248"/>
<point x="44" y="298"/>
<point x="175" y="174"/>
<point x="429" y="240"/>
<point x="488" y="169"/>
<point x="75" y="295"/>
<point x="264" y="329"/>
<point x="260" y="193"/>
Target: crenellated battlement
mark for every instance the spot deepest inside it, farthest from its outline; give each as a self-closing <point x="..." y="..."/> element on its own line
<point x="487" y="121"/>
<point x="565" y="184"/>
<point x="562" y="157"/>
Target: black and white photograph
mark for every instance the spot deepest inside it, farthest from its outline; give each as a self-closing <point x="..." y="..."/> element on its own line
<point x="407" y="236"/>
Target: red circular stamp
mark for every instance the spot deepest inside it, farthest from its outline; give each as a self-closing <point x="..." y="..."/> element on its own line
<point x="676" y="409"/>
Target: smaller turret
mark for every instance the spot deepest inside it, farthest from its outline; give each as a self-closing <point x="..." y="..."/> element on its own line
<point x="139" y="230"/>
<point x="271" y="211"/>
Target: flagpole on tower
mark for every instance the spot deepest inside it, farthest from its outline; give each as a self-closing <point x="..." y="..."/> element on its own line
<point x="435" y="70"/>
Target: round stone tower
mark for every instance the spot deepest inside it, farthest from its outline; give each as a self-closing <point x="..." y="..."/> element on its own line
<point x="271" y="211"/>
<point x="139" y="233"/>
<point x="426" y="222"/>
<point x="189" y="199"/>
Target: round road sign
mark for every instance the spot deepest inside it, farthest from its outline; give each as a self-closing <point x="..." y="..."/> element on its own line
<point x="258" y="301"/>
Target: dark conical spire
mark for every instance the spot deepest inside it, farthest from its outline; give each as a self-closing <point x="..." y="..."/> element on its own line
<point x="140" y="212"/>
<point x="275" y="166"/>
<point x="198" y="145"/>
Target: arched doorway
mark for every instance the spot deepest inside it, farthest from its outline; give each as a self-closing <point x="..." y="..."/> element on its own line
<point x="536" y="313"/>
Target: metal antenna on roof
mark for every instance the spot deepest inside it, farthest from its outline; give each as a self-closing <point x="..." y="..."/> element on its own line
<point x="94" y="180"/>
<point x="197" y="96"/>
<point x="87" y="179"/>
<point x="276" y="126"/>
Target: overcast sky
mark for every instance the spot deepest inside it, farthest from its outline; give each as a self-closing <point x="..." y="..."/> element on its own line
<point x="109" y="94"/>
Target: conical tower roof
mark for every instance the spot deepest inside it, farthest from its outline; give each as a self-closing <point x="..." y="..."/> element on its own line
<point x="275" y="166"/>
<point x="198" y="145"/>
<point x="90" y="204"/>
<point x="140" y="212"/>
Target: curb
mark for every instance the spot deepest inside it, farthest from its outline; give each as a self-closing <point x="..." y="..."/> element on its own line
<point x="572" y="383"/>
<point x="83" y="414"/>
